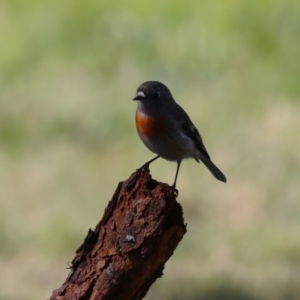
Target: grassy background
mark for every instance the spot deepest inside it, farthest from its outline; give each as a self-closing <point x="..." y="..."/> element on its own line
<point x="69" y="70"/>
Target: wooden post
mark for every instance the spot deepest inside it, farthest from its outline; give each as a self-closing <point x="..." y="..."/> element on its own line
<point x="141" y="227"/>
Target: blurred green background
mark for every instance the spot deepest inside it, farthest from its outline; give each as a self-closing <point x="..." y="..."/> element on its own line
<point x="69" y="70"/>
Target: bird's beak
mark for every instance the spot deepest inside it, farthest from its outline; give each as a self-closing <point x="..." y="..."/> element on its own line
<point x="139" y="96"/>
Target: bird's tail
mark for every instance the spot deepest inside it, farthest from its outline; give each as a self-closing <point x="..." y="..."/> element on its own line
<point x="213" y="169"/>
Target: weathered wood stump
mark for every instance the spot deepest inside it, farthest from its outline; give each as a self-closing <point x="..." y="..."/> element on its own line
<point x="141" y="227"/>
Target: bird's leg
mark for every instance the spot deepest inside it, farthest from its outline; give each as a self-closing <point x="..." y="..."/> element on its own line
<point x="146" y="165"/>
<point x="177" y="170"/>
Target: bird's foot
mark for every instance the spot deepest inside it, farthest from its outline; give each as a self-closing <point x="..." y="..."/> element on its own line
<point x="143" y="168"/>
<point x="175" y="191"/>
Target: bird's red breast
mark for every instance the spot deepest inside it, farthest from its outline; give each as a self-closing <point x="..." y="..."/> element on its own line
<point x="148" y="127"/>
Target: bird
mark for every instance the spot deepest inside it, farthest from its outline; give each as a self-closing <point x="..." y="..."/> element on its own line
<point x="167" y="130"/>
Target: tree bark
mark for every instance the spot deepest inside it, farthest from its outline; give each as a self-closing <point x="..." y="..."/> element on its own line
<point x="141" y="227"/>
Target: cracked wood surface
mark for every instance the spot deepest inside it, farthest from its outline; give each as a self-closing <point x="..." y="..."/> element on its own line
<point x="140" y="229"/>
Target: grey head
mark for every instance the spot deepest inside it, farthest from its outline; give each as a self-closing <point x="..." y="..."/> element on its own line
<point x="153" y="93"/>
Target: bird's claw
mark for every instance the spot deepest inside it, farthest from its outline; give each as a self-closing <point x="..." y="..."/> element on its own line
<point x="175" y="191"/>
<point x="143" y="168"/>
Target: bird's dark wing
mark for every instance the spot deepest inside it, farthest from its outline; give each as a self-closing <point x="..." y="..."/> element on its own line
<point x="190" y="130"/>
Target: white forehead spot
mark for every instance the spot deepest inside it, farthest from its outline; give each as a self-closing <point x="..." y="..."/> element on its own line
<point x="142" y="94"/>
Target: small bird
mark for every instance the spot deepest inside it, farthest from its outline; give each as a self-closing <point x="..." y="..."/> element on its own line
<point x="166" y="129"/>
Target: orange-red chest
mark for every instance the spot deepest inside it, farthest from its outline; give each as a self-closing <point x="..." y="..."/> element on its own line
<point x="148" y="127"/>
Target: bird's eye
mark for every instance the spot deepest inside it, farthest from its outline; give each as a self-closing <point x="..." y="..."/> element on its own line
<point x="156" y="95"/>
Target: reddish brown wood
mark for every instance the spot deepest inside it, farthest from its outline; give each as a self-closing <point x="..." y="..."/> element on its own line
<point x="141" y="227"/>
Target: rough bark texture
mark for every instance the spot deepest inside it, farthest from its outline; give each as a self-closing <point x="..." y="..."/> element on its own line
<point x="141" y="227"/>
